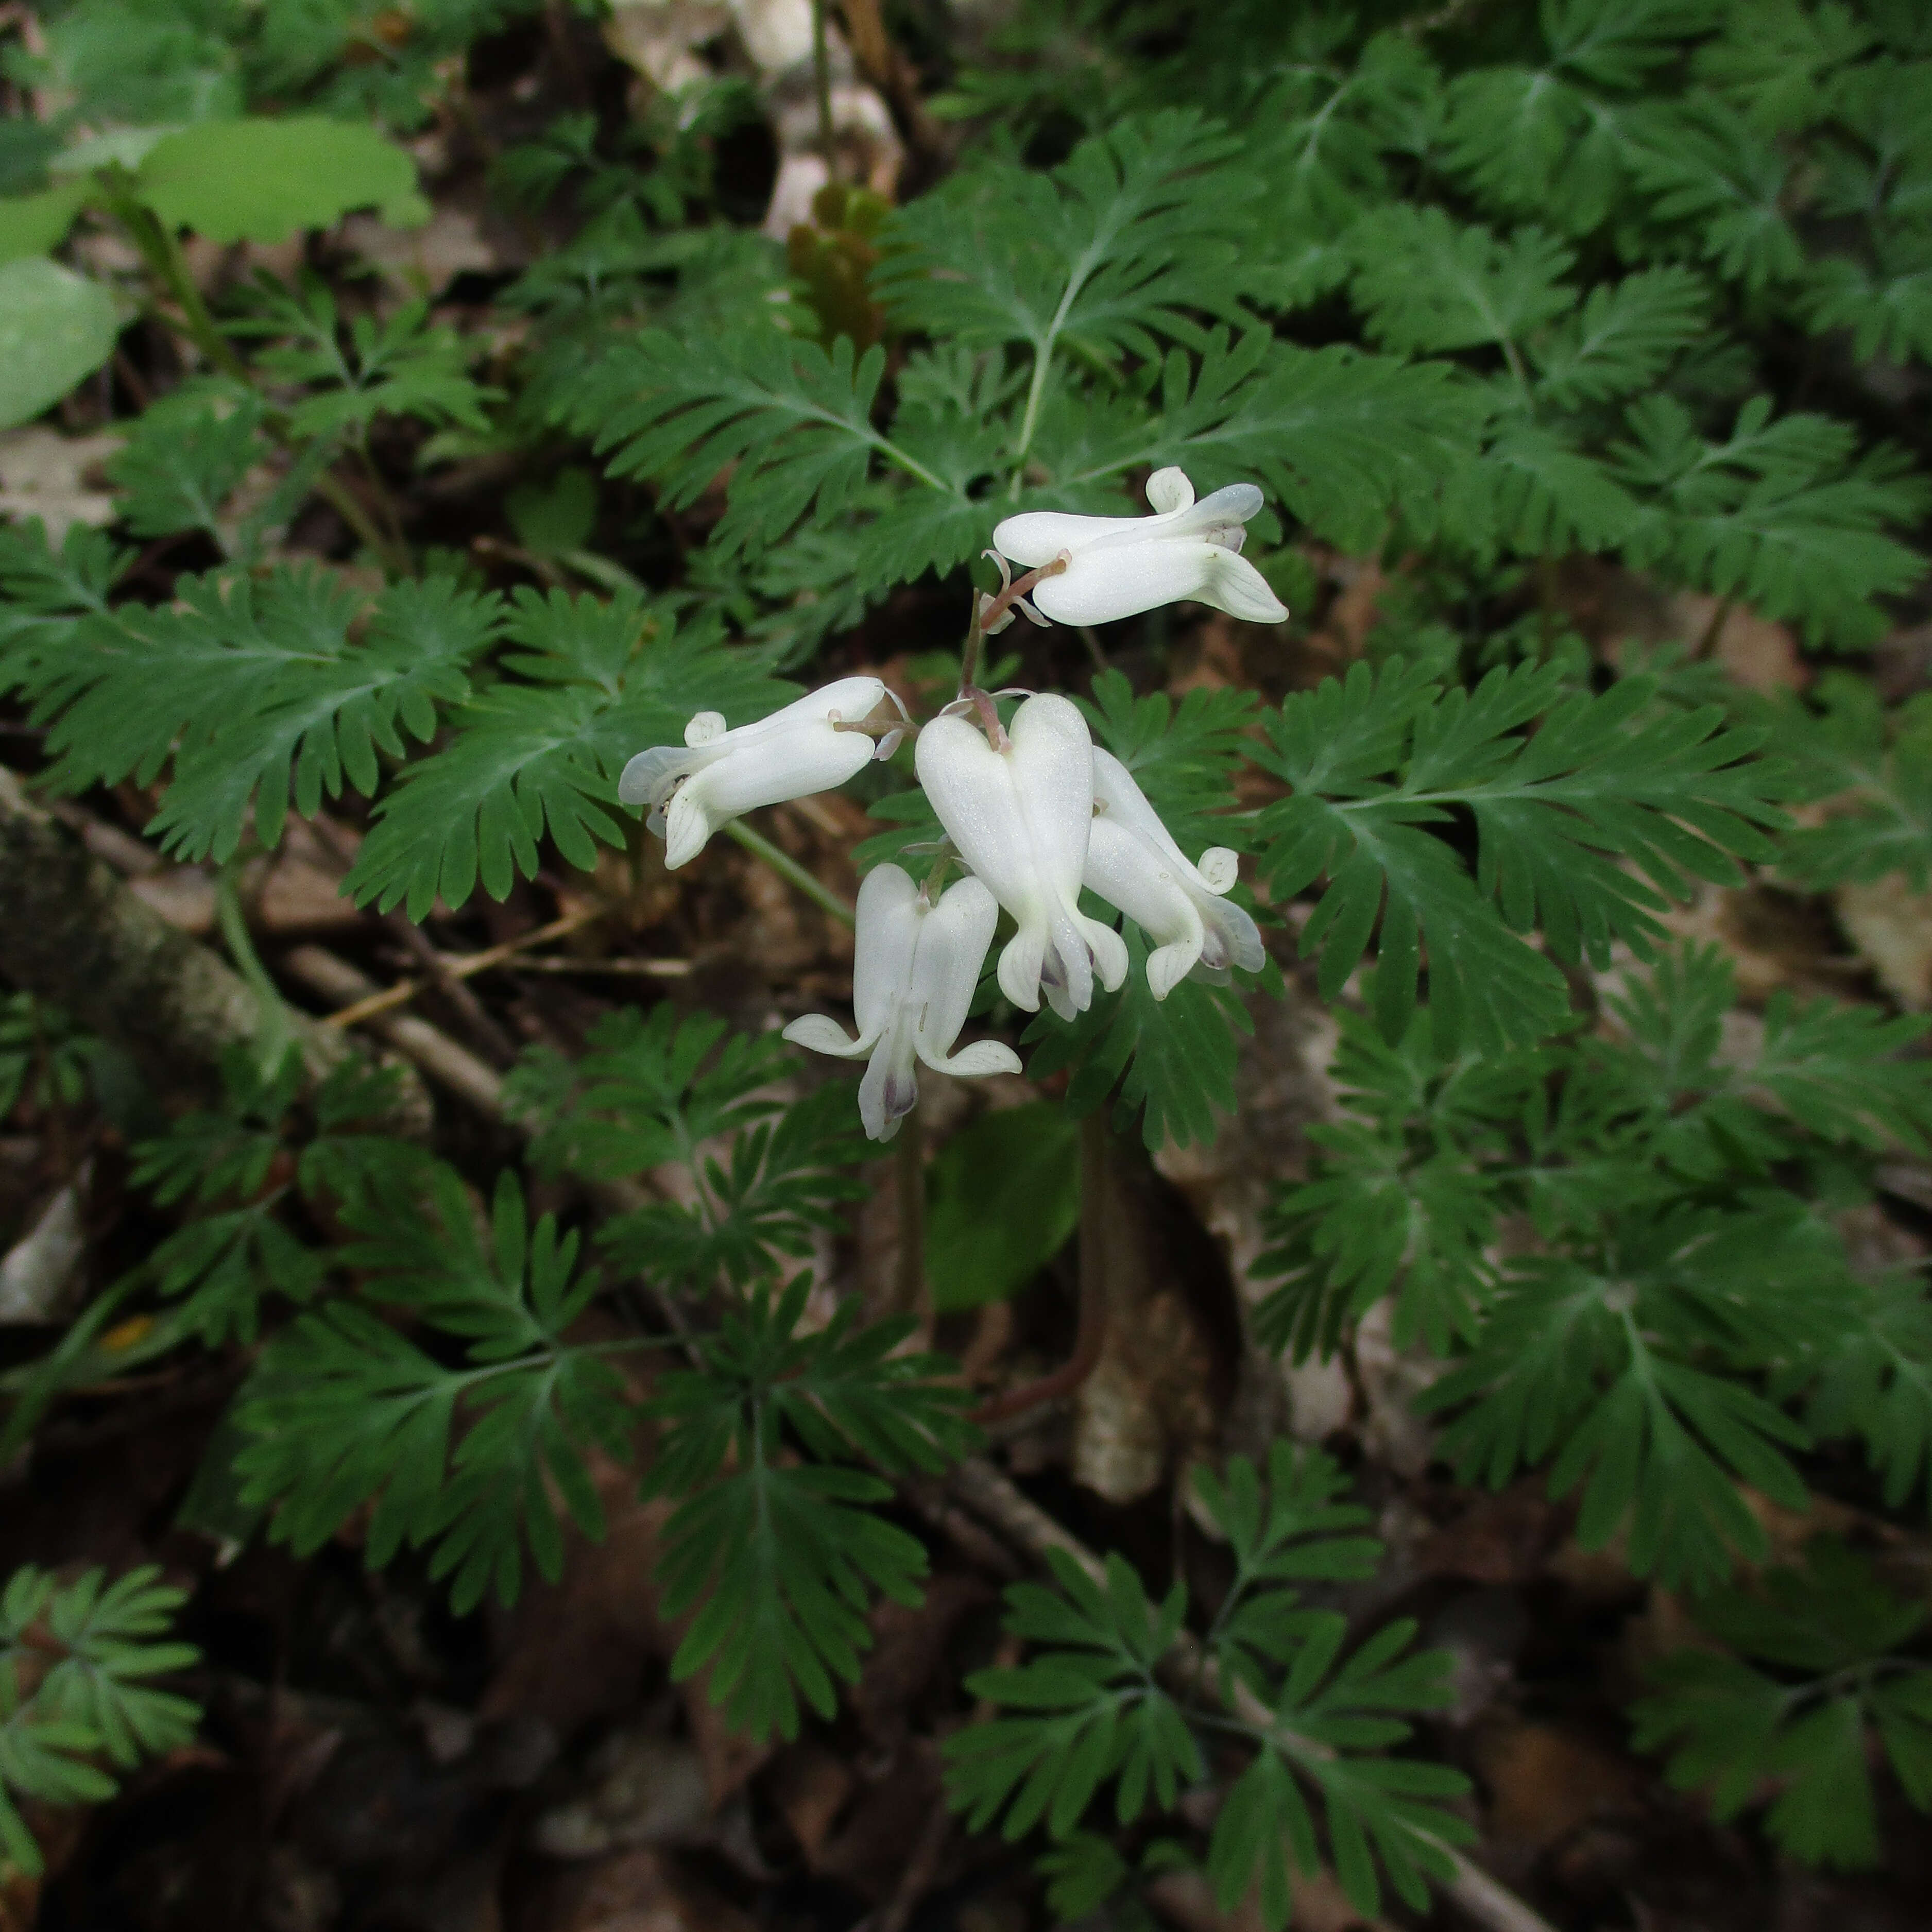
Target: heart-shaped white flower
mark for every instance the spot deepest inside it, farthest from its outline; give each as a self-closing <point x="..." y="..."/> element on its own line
<point x="1133" y="863"/>
<point x="1020" y="817"/>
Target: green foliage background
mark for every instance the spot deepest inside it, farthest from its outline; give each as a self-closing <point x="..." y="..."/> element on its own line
<point x="1495" y="297"/>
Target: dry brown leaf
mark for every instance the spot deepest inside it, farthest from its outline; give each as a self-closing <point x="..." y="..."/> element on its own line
<point x="577" y="1649"/>
<point x="909" y="1647"/>
<point x="1757" y="652"/>
<point x="423" y="261"/>
<point x="1891" y="927"/>
<point x="810" y="1784"/>
<point x="55" y="478"/>
<point x="641" y="1788"/>
<point x="1504" y="1538"/>
<point x="1544" y="1781"/>
<point x="634" y="1892"/>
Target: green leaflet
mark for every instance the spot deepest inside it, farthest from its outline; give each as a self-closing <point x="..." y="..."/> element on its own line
<point x="1812" y="1672"/>
<point x="1099" y="1703"/>
<point x="93" y="1700"/>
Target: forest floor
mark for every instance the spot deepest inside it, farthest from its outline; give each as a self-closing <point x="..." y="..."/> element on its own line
<point x="368" y="1761"/>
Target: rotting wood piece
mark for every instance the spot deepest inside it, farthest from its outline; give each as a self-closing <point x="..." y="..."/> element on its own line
<point x="76" y="935"/>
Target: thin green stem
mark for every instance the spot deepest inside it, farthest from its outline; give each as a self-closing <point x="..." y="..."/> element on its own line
<point x="791" y="872"/>
<point x="821" y="81"/>
<point x="910" y="464"/>
<point x="274" y="1031"/>
<point x="1043" y="359"/>
<point x="1707" y="640"/>
<point x="343" y="500"/>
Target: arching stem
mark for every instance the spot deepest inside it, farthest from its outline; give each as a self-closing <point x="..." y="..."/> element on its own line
<point x="821" y="78"/>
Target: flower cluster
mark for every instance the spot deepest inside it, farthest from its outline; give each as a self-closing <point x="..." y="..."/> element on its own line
<point x="1033" y="811"/>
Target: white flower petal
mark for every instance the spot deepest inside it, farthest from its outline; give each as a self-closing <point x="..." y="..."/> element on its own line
<point x="945" y="971"/>
<point x="647" y="779"/>
<point x="1168" y="965"/>
<point x="890" y="920"/>
<point x="1118" y="566"/>
<point x="1226" y="509"/>
<point x="719" y="774"/>
<point x="1169" y="491"/>
<point x="889" y="1091"/>
<point x="1219" y="868"/>
<point x="1133" y="863"/>
<point x="1036" y="537"/>
<point x="688" y="826"/>
<point x="1101" y="585"/>
<point x="1235" y="586"/>
<point x="1120" y="799"/>
<point x="1126" y="874"/>
<point x="820" y="1033"/>
<point x="977" y="1059"/>
<point x="1233" y="937"/>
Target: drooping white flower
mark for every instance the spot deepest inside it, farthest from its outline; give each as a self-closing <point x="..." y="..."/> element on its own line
<point x="914" y="966"/>
<point x="1133" y="863"/>
<point x="1118" y="566"/>
<point x="716" y="775"/>
<point x="1020" y="817"/>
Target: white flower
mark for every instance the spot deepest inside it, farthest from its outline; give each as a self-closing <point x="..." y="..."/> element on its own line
<point x="1117" y="566"/>
<point x="1020" y="817"/>
<point x="695" y="789"/>
<point x="913" y="971"/>
<point x="1132" y="862"/>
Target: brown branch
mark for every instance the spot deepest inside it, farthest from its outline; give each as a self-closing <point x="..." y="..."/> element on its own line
<point x="439" y="1056"/>
<point x="381" y="1000"/>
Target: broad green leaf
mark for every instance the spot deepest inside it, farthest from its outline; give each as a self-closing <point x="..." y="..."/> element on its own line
<point x="56" y="329"/>
<point x="32" y="224"/>
<point x="263" y="180"/>
<point x="1003" y="1196"/>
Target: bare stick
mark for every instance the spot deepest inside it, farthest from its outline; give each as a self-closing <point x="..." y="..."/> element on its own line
<point x="405" y="990"/>
<point x="439" y="1056"/>
<point x="78" y="936"/>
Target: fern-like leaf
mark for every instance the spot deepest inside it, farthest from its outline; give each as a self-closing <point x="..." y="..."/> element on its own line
<point x="538" y="753"/>
<point x="1816" y="1671"/>
<point x="779" y="1560"/>
<point x="346" y="1413"/>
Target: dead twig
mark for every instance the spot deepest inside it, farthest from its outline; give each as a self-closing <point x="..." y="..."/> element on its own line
<point x="439" y="1056"/>
<point x="384" y="999"/>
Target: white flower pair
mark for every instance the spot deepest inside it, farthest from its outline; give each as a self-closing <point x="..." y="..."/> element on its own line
<point x="1036" y="820"/>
